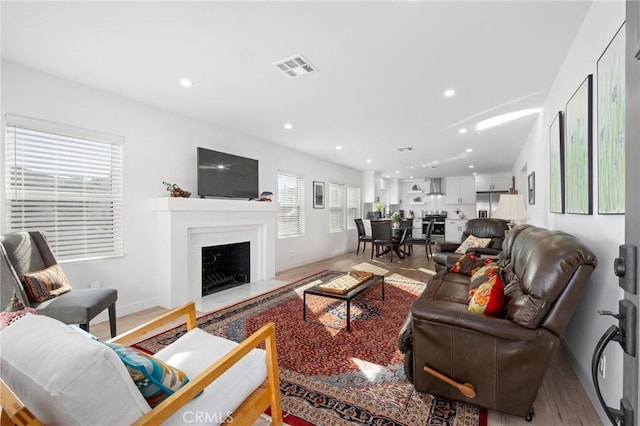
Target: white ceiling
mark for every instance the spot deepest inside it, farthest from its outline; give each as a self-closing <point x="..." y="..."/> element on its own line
<point x="383" y="69"/>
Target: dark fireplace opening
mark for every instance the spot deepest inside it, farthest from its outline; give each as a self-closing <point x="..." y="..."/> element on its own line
<point x="225" y="266"/>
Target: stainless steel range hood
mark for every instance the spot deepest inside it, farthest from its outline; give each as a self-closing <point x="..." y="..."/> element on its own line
<point x="434" y="186"/>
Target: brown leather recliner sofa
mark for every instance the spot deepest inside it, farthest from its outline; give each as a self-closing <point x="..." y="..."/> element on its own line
<point x="481" y="228"/>
<point x="505" y="358"/>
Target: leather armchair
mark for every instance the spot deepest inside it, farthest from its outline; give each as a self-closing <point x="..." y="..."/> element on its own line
<point x="505" y="358"/>
<point x="481" y="228"/>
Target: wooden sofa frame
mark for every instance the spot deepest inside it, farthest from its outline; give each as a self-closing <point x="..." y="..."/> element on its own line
<point x="265" y="396"/>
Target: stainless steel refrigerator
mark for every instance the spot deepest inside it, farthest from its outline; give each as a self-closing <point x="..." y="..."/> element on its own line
<point x="487" y="203"/>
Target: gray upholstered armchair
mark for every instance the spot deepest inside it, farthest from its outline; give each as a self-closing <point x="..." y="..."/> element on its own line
<point x="25" y="252"/>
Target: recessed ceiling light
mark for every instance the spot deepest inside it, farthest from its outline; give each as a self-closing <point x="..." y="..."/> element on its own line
<point x="186" y="82"/>
<point x="449" y="93"/>
<point x="288" y="126"/>
<point x="397" y="171"/>
<point x="462" y="131"/>
<point x="410" y="177"/>
<point x="469" y="149"/>
<point x="499" y="120"/>
<point x="369" y="160"/>
<point x="221" y="166"/>
<point x="471" y="166"/>
<point x="474" y="173"/>
<point x="338" y="148"/>
<point x="411" y="167"/>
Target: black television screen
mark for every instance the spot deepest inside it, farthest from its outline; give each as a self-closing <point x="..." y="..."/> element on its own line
<point x="226" y="175"/>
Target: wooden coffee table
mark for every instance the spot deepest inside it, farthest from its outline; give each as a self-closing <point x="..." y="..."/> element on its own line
<point x="347" y="296"/>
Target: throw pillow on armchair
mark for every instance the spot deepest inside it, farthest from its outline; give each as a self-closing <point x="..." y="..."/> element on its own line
<point x="469" y="264"/>
<point x="472" y="242"/>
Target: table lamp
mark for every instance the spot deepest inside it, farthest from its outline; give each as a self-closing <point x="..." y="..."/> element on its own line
<point x="511" y="208"/>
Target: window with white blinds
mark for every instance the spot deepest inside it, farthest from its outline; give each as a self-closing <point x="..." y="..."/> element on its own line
<point x="66" y="182"/>
<point x="291" y="199"/>
<point x="353" y="206"/>
<point x="336" y="207"/>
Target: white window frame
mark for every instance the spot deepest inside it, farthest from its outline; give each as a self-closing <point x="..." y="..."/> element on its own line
<point x="353" y="205"/>
<point x="66" y="182"/>
<point x="337" y="206"/>
<point x="291" y="205"/>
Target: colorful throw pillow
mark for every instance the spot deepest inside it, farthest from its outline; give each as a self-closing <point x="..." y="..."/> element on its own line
<point x="45" y="284"/>
<point x="155" y="379"/>
<point x="488" y="298"/>
<point x="471" y="242"/>
<point x="469" y="264"/>
<point x="488" y="270"/>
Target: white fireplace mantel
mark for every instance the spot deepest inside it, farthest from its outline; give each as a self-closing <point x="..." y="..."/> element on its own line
<point x="185" y="225"/>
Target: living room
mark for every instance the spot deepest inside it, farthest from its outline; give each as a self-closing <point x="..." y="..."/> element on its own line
<point x="160" y="145"/>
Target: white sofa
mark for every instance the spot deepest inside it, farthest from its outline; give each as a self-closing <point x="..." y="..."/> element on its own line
<point x="64" y="377"/>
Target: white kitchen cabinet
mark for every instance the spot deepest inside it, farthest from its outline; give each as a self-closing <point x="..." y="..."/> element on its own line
<point x="453" y="230"/>
<point x="374" y="187"/>
<point x="384" y="182"/>
<point x="460" y="190"/>
<point x="492" y="183"/>
<point x="394" y="191"/>
<point x="502" y="183"/>
<point x="382" y="189"/>
<point x="368" y="186"/>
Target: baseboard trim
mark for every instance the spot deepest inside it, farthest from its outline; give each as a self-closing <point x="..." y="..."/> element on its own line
<point x="585" y="380"/>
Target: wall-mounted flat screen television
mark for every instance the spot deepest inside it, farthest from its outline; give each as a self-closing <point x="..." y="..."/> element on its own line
<point x="226" y="175"/>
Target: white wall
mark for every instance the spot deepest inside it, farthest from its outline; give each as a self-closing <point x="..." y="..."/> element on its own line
<point x="602" y="233"/>
<point x="161" y="146"/>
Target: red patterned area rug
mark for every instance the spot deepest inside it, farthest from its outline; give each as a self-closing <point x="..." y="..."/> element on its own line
<point x="330" y="376"/>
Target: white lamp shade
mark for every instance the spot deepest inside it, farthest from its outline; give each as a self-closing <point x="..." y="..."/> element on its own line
<point x="511" y="207"/>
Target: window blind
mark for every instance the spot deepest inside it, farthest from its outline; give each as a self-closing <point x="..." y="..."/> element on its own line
<point x="66" y="182"/>
<point x="353" y="206"/>
<point x="336" y="207"/>
<point x="291" y="199"/>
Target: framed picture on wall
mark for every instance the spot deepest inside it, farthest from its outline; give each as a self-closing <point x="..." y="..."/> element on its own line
<point x="318" y="195"/>
<point x="577" y="150"/>
<point x="556" y="164"/>
<point x="531" y="187"/>
<point x="611" y="126"/>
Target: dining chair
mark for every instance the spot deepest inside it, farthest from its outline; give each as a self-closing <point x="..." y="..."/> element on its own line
<point x="382" y="236"/>
<point x="362" y="235"/>
<point x="425" y="240"/>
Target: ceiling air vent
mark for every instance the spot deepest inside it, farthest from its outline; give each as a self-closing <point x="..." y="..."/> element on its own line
<point x="407" y="148"/>
<point x="295" y="66"/>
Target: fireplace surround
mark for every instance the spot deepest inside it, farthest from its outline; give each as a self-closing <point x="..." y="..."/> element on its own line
<point x="185" y="225"/>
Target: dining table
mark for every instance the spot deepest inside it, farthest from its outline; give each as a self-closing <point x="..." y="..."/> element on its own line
<point x="401" y="231"/>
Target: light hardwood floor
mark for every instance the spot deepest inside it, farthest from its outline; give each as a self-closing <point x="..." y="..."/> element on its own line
<point x="561" y="400"/>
